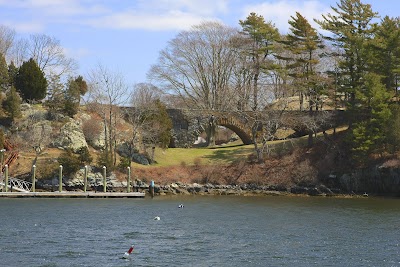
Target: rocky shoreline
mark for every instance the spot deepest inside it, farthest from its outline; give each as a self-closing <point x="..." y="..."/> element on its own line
<point x="178" y="188"/>
<point x="241" y="190"/>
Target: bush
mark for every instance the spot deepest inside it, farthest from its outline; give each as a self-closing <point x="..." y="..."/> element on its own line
<point x="124" y="163"/>
<point x="70" y="162"/>
<point x="47" y="170"/>
<point x="84" y="155"/>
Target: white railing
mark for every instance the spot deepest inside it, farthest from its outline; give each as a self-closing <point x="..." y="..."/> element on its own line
<point x="18" y="185"/>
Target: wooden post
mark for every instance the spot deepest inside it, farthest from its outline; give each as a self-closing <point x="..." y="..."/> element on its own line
<point x="60" y="179"/>
<point x="6" y="177"/>
<point x="104" y="179"/>
<point x="151" y="189"/>
<point x="33" y="178"/>
<point x="128" y="187"/>
<point x="85" y="179"/>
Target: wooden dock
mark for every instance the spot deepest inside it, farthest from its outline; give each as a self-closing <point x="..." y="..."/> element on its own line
<point x="71" y="194"/>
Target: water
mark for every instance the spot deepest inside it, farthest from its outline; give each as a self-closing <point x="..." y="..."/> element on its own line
<point x="208" y="231"/>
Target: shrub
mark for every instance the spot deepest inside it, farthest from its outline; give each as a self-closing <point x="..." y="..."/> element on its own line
<point x="71" y="163"/>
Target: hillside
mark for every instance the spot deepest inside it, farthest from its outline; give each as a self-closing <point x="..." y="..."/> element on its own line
<point x="287" y="163"/>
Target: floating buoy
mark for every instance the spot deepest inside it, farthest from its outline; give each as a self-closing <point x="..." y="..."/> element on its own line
<point x="180" y="206"/>
<point x="128" y="253"/>
<point x="157" y="218"/>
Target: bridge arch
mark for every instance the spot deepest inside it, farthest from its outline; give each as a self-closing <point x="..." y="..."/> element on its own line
<point x="237" y="127"/>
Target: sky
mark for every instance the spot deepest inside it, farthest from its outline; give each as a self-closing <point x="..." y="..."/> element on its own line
<point x="126" y="36"/>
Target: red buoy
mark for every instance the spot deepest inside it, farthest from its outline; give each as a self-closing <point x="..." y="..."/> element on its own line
<point x="128" y="253"/>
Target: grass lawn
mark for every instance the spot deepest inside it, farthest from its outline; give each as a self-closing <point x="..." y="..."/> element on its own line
<point x="224" y="154"/>
<point x="178" y="156"/>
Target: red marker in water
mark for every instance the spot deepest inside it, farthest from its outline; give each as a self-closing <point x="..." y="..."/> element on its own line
<point x="128" y="253"/>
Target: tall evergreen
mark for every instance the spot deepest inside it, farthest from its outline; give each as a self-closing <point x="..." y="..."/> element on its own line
<point x="262" y="36"/>
<point x="4" y="78"/>
<point x="352" y="32"/>
<point x="75" y="88"/>
<point x="12" y="73"/>
<point x="386" y="53"/>
<point x="30" y="81"/>
<point x="12" y="104"/>
<point x="303" y="42"/>
<point x="368" y="134"/>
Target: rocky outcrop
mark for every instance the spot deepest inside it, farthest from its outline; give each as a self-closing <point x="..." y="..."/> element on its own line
<point x="70" y="136"/>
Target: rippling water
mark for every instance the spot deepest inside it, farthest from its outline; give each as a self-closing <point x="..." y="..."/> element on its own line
<point x="208" y="231"/>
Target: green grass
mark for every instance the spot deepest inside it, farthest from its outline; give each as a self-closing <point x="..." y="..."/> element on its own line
<point x="188" y="156"/>
<point x="224" y="154"/>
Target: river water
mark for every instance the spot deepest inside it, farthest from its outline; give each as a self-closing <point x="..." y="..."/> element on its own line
<point x="208" y="231"/>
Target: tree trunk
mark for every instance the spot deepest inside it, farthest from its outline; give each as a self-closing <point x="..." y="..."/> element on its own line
<point x="211" y="131"/>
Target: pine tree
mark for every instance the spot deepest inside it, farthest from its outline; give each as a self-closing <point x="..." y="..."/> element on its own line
<point x="12" y="73"/>
<point x="262" y="36"/>
<point x="31" y="82"/>
<point x="303" y="42"/>
<point x="4" y="78"/>
<point x="352" y="32"/>
<point x="75" y="88"/>
<point x="12" y="104"/>
<point x="56" y="97"/>
<point x="386" y="53"/>
<point x="368" y="134"/>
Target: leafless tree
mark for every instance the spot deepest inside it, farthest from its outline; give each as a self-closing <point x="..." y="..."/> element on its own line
<point x="142" y="106"/>
<point x="49" y="55"/>
<point x="197" y="65"/>
<point x="108" y="91"/>
<point x="7" y="36"/>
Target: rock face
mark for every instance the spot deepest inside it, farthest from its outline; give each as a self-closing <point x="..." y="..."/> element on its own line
<point x="70" y="136"/>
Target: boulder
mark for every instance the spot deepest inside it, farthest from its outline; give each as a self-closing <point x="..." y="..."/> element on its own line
<point x="70" y="136"/>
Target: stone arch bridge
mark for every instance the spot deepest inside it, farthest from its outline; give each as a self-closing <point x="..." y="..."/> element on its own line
<point x="188" y="124"/>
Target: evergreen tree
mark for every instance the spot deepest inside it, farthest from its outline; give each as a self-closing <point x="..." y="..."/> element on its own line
<point x="392" y="130"/>
<point x="30" y="81"/>
<point x="352" y="32"/>
<point x="12" y="103"/>
<point x="70" y="162"/>
<point x="4" y="78"/>
<point x="303" y="42"/>
<point x="386" y="56"/>
<point x="262" y="36"/>
<point x="157" y="129"/>
<point x="84" y="155"/>
<point x="56" y="97"/>
<point x="12" y="73"/>
<point x="75" y="88"/>
<point x="368" y="134"/>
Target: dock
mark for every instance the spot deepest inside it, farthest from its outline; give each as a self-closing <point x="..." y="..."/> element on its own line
<point x="72" y="194"/>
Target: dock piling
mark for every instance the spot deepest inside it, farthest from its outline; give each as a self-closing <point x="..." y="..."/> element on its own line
<point x="60" y="179"/>
<point x="33" y="178"/>
<point x="6" y="177"/>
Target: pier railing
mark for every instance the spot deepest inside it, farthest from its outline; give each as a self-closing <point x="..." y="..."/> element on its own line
<point x="18" y="185"/>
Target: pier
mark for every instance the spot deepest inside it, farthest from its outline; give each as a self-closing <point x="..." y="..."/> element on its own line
<point x="71" y="194"/>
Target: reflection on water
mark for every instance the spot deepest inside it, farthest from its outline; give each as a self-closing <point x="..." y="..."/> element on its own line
<point x="208" y="231"/>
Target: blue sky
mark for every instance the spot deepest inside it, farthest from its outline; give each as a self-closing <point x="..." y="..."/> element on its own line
<point x="126" y="36"/>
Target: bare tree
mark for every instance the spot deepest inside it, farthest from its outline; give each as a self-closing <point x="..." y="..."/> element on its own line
<point x="49" y="55"/>
<point x="108" y="91"/>
<point x="142" y="105"/>
<point x="7" y="36"/>
<point x="197" y="65"/>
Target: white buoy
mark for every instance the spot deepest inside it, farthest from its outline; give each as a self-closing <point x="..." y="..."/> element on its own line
<point x="181" y="206"/>
<point x="128" y="253"/>
<point x="157" y="218"/>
